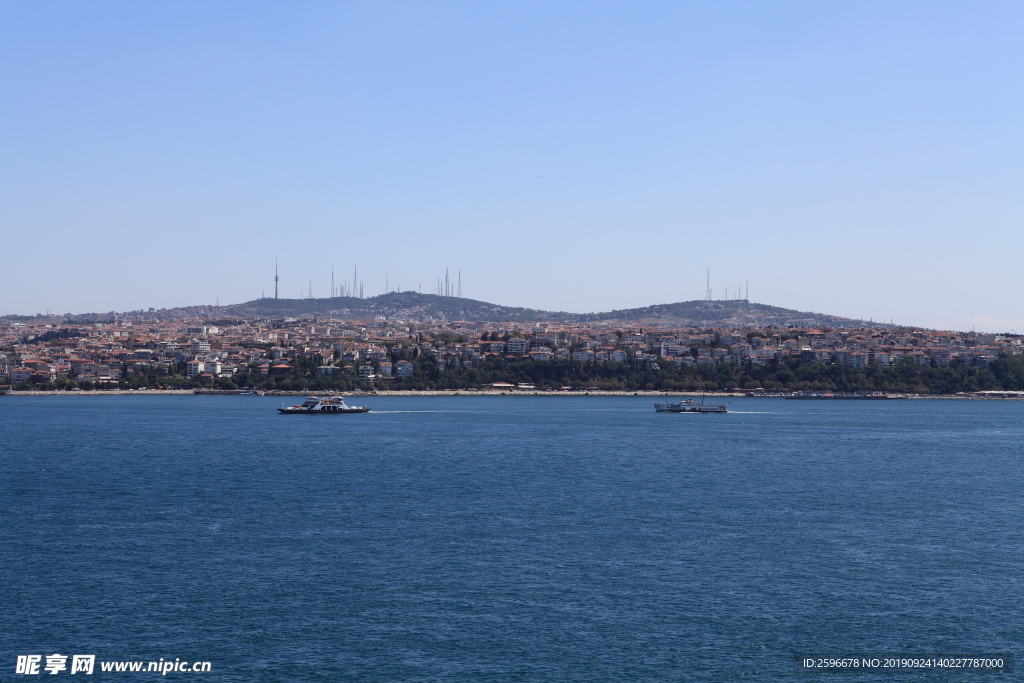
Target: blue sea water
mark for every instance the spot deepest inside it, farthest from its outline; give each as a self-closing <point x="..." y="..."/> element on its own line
<point x="515" y="538"/>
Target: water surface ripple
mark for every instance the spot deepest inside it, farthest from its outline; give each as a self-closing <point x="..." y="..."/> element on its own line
<point x="512" y="538"/>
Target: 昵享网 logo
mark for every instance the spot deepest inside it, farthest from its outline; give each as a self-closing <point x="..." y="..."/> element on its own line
<point x="33" y="665"/>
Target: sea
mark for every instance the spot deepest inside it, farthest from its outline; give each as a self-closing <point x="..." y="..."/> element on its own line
<point x="509" y="538"/>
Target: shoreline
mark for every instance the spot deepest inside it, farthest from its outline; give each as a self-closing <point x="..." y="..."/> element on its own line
<point x="470" y="392"/>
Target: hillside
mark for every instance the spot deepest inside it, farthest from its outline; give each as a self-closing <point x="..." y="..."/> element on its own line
<point x="396" y="305"/>
<point x="415" y="307"/>
<point x="736" y="313"/>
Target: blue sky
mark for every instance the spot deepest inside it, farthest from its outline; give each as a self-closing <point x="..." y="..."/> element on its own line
<point x="862" y="159"/>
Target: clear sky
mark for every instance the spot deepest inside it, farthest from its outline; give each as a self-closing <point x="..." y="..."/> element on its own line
<point x="862" y="159"/>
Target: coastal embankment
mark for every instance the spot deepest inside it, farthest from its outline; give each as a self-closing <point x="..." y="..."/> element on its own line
<point x="1007" y="396"/>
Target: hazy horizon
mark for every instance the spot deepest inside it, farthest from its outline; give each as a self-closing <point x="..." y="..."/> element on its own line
<point x="856" y="160"/>
<point x="866" y="321"/>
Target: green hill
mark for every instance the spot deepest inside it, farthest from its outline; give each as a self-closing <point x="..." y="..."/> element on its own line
<point x="416" y="307"/>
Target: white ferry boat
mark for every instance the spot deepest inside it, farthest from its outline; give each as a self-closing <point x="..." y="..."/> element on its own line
<point x="322" y="405"/>
<point x="691" y="406"/>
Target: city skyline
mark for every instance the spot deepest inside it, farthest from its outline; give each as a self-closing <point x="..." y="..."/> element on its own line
<point x="863" y="161"/>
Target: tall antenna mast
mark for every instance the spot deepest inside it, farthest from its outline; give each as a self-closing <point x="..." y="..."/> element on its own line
<point x="460" y="283"/>
<point x="275" y="278"/>
<point x="332" y="282"/>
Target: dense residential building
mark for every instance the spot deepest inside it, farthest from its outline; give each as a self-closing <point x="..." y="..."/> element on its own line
<point x="50" y="352"/>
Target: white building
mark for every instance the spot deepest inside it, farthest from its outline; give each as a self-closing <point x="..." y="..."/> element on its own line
<point x="517" y="346"/>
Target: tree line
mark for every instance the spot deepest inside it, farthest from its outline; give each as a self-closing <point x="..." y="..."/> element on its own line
<point x="1005" y="373"/>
